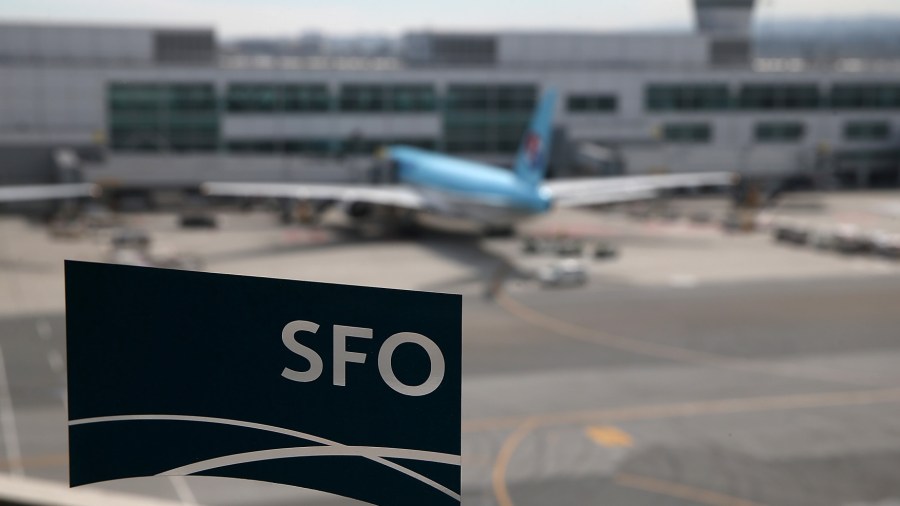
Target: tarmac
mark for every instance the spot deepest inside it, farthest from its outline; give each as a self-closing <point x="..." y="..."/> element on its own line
<point x="695" y="367"/>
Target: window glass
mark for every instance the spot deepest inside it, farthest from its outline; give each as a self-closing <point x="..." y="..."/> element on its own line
<point x="591" y="103"/>
<point x="687" y="97"/>
<point x="779" y="96"/>
<point x="867" y="131"/>
<point x="687" y="133"/>
<point x="487" y="118"/>
<point x="163" y="117"/>
<point x="779" y="132"/>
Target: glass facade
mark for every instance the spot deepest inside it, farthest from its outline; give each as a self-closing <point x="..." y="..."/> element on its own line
<point x="486" y="118"/>
<point x="310" y="147"/>
<point x="770" y="96"/>
<point x="387" y="98"/>
<point x="370" y="146"/>
<point x="865" y="96"/>
<point x="476" y="118"/>
<point x="867" y="131"/>
<point x="262" y="98"/>
<point x="687" y="97"/>
<point x="591" y="103"/>
<point x="779" y="97"/>
<point x="779" y="132"/>
<point x="687" y="133"/>
<point x="163" y="117"/>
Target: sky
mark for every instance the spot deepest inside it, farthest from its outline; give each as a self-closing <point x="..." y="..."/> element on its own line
<point x="238" y="18"/>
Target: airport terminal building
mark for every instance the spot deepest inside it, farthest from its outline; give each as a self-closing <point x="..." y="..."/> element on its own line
<point x="167" y="106"/>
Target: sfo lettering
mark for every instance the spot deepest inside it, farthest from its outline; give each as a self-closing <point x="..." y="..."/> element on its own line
<point x="293" y="332"/>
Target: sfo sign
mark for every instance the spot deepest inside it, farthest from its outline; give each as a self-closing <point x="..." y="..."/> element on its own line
<point x="297" y="332"/>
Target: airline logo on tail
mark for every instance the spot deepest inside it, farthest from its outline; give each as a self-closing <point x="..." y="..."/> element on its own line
<point x="534" y="150"/>
<point x="533" y="154"/>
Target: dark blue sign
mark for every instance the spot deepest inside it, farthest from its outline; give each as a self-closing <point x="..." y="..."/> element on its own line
<point x="350" y="390"/>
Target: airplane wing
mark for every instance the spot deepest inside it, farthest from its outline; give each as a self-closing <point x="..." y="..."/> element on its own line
<point x="388" y="195"/>
<point x="608" y="190"/>
<point x="24" y="193"/>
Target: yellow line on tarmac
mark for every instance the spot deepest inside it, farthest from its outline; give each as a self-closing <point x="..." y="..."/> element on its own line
<point x="677" y="490"/>
<point x="647" y="484"/>
<point x="524" y="425"/>
<point x="507" y="449"/>
<point x="609" y="436"/>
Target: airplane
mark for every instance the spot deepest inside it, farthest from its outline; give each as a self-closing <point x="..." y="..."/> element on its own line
<point x="493" y="197"/>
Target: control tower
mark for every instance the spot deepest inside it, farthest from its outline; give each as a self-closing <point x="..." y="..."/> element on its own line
<point x="727" y="24"/>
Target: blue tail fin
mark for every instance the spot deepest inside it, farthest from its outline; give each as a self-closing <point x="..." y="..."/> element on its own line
<point x="534" y="153"/>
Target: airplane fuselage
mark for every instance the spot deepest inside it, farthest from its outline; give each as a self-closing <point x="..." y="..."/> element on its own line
<point x="468" y="189"/>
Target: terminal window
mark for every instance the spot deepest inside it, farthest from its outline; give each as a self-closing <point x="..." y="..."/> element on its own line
<point x="591" y="103"/>
<point x="271" y="97"/>
<point x="687" y="97"/>
<point x="413" y="97"/>
<point x="163" y="117"/>
<point x="779" y="132"/>
<point x="867" y="131"/>
<point x="387" y="98"/>
<point x="779" y="96"/>
<point x="486" y="118"/>
<point x="865" y="96"/>
<point x="292" y="146"/>
<point x="367" y="146"/>
<point x="687" y="133"/>
<point x="490" y="98"/>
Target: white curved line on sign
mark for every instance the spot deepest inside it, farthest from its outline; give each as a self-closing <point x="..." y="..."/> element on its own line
<point x="446" y="458"/>
<point x="313" y="451"/>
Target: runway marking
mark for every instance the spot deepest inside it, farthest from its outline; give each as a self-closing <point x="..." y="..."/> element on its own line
<point x="44" y="329"/>
<point x="183" y="490"/>
<point x="680" y="491"/>
<point x="523" y="426"/>
<point x="8" y="424"/>
<point x="504" y="457"/>
<point x="514" y="439"/>
<point x="651" y="349"/>
<point x="683" y="281"/>
<point x="54" y="358"/>
<point x="609" y="436"/>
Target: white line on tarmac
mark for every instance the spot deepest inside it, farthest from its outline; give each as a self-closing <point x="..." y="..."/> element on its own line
<point x="54" y="358"/>
<point x="8" y="424"/>
<point x="44" y="329"/>
<point x="183" y="490"/>
<point x="683" y="281"/>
